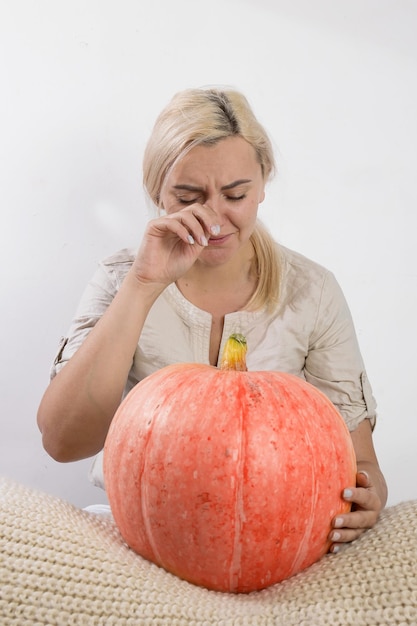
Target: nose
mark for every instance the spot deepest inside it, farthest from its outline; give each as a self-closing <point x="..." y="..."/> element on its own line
<point x="214" y="202"/>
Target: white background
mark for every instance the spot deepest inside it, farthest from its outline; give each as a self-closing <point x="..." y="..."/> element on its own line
<point x="334" y="82"/>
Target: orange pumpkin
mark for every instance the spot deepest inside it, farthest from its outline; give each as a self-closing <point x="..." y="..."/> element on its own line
<point x="228" y="479"/>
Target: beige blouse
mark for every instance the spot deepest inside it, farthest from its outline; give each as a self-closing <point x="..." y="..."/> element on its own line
<point x="310" y="334"/>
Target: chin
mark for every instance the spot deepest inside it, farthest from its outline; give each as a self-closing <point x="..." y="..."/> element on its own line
<point x="215" y="256"/>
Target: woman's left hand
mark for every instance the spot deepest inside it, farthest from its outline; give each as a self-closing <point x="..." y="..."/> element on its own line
<point x="366" y="506"/>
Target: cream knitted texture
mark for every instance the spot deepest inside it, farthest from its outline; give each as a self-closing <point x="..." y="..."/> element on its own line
<point x="62" y="566"/>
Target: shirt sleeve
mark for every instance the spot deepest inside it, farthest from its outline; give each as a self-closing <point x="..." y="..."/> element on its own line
<point x="97" y="296"/>
<point x="334" y="363"/>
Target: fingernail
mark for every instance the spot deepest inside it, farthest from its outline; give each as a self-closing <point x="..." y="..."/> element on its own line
<point x="338" y="522"/>
<point x="190" y="239"/>
<point x="215" y="229"/>
<point x="364" y="473"/>
<point x="336" y="536"/>
<point x="347" y="493"/>
<point x="335" y="549"/>
<point x="203" y="241"/>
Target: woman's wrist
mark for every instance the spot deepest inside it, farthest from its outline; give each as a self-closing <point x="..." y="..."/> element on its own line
<point x="146" y="291"/>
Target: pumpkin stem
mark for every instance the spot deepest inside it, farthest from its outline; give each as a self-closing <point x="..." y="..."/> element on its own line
<point x="234" y="354"/>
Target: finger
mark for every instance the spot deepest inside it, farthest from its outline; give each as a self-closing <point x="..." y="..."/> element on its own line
<point x="337" y="546"/>
<point x="339" y="537"/>
<point x="362" y="498"/>
<point x="201" y="221"/>
<point x="360" y="519"/>
<point x="352" y="528"/>
<point x="167" y="225"/>
<point x="188" y="228"/>
<point x="362" y="479"/>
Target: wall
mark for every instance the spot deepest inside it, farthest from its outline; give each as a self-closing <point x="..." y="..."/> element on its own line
<point x="82" y="82"/>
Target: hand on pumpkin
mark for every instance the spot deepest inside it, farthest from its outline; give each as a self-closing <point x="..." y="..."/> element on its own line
<point x="172" y="243"/>
<point x="366" y="506"/>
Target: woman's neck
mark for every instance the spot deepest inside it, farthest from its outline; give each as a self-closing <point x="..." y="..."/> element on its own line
<point x="222" y="289"/>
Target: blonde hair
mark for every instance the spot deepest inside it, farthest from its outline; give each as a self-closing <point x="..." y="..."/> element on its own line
<point x="203" y="117"/>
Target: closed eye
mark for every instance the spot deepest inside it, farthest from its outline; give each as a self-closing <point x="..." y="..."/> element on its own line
<point x="188" y="200"/>
<point x="236" y="198"/>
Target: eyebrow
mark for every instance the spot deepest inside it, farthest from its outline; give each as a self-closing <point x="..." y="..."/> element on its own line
<point x="235" y="183"/>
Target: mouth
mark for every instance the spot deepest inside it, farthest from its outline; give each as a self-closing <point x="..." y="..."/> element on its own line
<point x="218" y="241"/>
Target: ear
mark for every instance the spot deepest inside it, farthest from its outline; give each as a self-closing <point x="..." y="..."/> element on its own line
<point x="262" y="195"/>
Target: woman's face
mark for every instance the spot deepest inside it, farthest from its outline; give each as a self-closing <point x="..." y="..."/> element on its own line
<point x="227" y="178"/>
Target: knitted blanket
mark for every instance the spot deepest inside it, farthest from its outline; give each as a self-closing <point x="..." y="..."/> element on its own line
<point x="63" y="566"/>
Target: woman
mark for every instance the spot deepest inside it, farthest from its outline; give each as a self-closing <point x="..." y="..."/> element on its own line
<point x="205" y="268"/>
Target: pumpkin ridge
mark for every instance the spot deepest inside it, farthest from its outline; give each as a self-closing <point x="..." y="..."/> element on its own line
<point x="305" y="541"/>
<point x="235" y="570"/>
<point x="144" y="500"/>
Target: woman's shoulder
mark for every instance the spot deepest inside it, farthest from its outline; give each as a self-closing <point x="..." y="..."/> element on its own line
<point x="296" y="263"/>
<point x="125" y="256"/>
<point x="305" y="279"/>
<point x="111" y="270"/>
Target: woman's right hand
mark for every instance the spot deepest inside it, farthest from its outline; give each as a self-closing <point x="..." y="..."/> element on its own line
<point x="172" y="243"/>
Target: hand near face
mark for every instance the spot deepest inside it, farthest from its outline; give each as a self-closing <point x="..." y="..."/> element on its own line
<point x="172" y="243"/>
